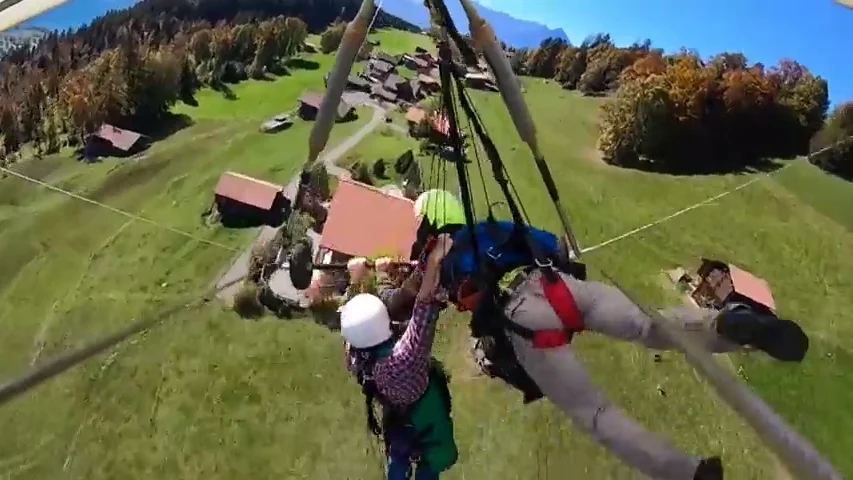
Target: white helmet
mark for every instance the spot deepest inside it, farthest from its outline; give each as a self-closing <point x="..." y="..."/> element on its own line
<point x="365" y="321"/>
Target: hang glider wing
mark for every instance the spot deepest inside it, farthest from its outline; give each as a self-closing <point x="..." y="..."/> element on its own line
<point x="16" y="12"/>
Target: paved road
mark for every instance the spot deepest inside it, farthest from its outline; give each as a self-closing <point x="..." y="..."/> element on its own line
<point x="240" y="267"/>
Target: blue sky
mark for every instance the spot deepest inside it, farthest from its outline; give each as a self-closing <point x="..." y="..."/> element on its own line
<point x="817" y="33"/>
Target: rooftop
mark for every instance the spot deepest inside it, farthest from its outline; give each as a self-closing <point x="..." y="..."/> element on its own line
<point x="415" y="115"/>
<point x="247" y="190"/>
<point x="119" y="138"/>
<point x="364" y="221"/>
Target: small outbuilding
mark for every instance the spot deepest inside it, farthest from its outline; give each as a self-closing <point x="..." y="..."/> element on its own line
<point x="721" y="283"/>
<point x="110" y="141"/>
<point x="309" y="107"/>
<point x="243" y="200"/>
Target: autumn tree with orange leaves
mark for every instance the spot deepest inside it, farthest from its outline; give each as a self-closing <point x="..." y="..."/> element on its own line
<point x="681" y="113"/>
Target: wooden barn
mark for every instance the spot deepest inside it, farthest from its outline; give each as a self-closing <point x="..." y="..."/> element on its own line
<point x="110" y="141"/>
<point x="309" y="107"/>
<point x="357" y="83"/>
<point x="243" y="200"/>
<point x="722" y="283"/>
<point x="428" y="84"/>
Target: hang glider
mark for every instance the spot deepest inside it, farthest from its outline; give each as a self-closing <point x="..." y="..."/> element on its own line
<point x="15" y="12"/>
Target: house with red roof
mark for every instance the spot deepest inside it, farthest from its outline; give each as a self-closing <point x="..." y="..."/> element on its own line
<point x="364" y="221"/>
<point x="245" y="201"/>
<point x="721" y="283"/>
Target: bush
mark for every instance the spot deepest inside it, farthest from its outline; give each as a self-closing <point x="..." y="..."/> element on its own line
<point x="332" y="36"/>
<point x="320" y="182"/>
<point x="832" y="147"/>
<point x="361" y="173"/>
<point x="246" y="302"/>
<point x="403" y="163"/>
<point x="379" y="169"/>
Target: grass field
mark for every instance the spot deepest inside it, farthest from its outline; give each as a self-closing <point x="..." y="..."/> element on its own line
<point x="208" y="395"/>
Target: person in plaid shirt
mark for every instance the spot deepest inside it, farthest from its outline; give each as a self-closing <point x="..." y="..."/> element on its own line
<point x="398" y="370"/>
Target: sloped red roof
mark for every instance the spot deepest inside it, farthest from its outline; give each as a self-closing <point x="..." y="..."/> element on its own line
<point x="118" y="137"/>
<point x="247" y="190"/>
<point x="426" y="79"/>
<point x="751" y="287"/>
<point x="415" y="115"/>
<point x="366" y="222"/>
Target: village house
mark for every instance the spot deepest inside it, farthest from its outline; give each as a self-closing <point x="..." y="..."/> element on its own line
<point x="404" y="89"/>
<point x="417" y="64"/>
<point x="389" y="230"/>
<point x="309" y="106"/>
<point x="426" y="57"/>
<point x="387" y="58"/>
<point x="722" y="283"/>
<point x="243" y="200"/>
<point x="358" y="83"/>
<point x="110" y="141"/>
<point x="381" y="94"/>
<point x="428" y="84"/>
<point x="380" y="70"/>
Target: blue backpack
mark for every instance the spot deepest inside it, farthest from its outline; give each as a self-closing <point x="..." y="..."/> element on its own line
<point x="493" y="245"/>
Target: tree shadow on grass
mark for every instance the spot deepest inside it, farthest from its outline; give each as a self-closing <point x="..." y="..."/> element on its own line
<point x="168" y="126"/>
<point x="225" y="90"/>
<point x="302" y="64"/>
<point x="748" y="167"/>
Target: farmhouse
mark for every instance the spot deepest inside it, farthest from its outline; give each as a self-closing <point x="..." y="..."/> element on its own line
<point x="358" y="83"/>
<point x="417" y="64"/>
<point x="113" y="142"/>
<point x="721" y="283"/>
<point x="428" y="84"/>
<point x="379" y="93"/>
<point x="380" y="70"/>
<point x="389" y="230"/>
<point x="386" y="57"/>
<point x="241" y="199"/>
<point x="309" y="106"/>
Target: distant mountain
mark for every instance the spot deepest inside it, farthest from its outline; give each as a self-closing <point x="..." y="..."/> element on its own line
<point x="20" y="36"/>
<point x="511" y="30"/>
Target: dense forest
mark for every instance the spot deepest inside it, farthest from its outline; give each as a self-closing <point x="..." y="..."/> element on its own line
<point x="682" y="113"/>
<point x="129" y="67"/>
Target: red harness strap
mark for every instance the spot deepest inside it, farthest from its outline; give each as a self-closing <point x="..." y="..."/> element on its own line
<point x="563" y="303"/>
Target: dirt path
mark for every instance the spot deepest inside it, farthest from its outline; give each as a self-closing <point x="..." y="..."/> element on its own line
<point x="240" y="266"/>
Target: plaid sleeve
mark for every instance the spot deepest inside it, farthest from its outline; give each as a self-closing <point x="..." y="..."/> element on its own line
<point x="402" y="377"/>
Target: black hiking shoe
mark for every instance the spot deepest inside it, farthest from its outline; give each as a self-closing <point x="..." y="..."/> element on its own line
<point x="781" y="339"/>
<point x="710" y="468"/>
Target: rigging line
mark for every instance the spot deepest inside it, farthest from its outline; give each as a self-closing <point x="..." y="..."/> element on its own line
<point x="506" y="175"/>
<point x="116" y="210"/>
<point x="678" y="213"/>
<point x="482" y="175"/>
<point x="64" y="361"/>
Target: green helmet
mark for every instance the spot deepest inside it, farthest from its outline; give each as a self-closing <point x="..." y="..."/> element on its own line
<point x="440" y="208"/>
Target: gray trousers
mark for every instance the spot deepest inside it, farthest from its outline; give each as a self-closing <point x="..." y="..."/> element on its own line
<point x="563" y="380"/>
